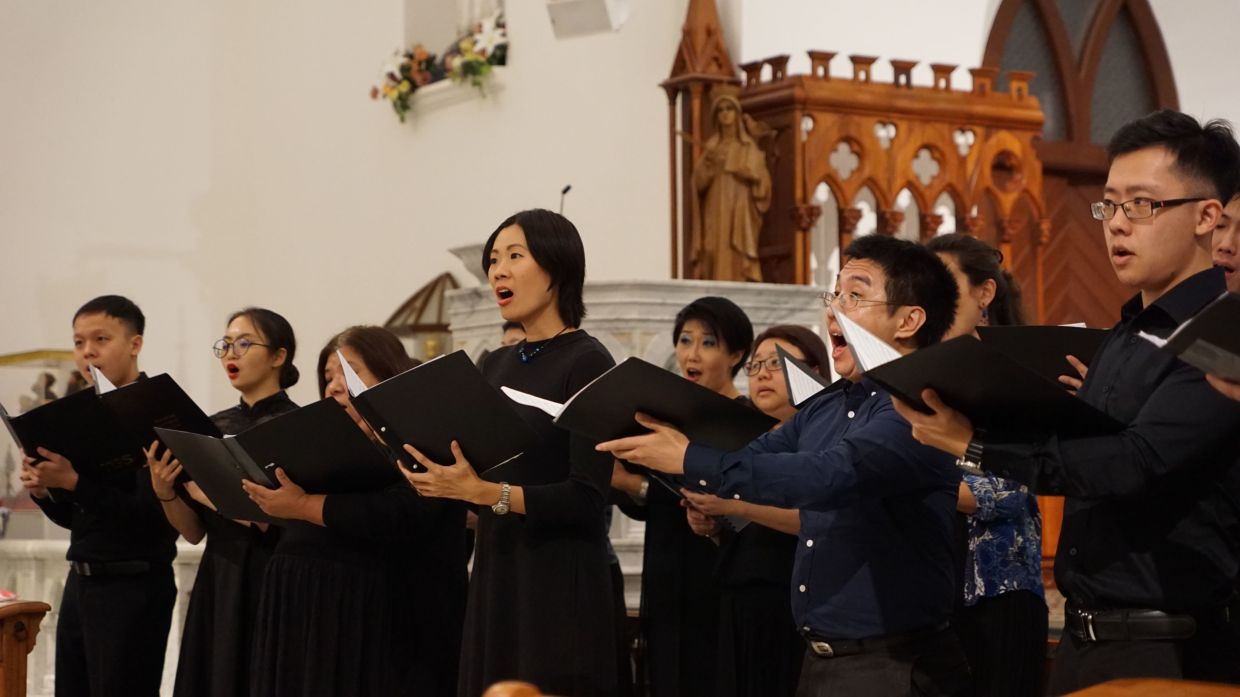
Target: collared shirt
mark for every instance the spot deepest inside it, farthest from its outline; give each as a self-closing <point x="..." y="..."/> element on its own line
<point x="874" y="555"/>
<point x="1152" y="514"/>
<point x="1005" y="540"/>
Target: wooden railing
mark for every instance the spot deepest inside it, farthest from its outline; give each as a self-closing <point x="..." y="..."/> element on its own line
<point x="19" y="627"/>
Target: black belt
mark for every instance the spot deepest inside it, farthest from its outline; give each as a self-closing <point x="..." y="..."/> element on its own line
<point x="109" y="568"/>
<point x="1128" y="625"/>
<point x="834" y="648"/>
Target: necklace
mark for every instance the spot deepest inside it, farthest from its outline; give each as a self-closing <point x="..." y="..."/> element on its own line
<point x="527" y="357"/>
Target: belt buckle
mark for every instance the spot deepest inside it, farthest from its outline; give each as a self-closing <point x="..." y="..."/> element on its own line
<point x="821" y="648"/>
<point x="1087" y="618"/>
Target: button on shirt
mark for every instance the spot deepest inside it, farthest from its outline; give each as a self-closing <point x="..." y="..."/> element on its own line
<point x="1152" y="514"/>
<point x="874" y="555"/>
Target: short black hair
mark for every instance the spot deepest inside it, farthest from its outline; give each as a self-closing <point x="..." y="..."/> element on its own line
<point x="278" y="334"/>
<point x="117" y="306"/>
<point x="978" y="261"/>
<point x="915" y="277"/>
<point x="725" y="319"/>
<point x="556" y="246"/>
<point x="378" y="348"/>
<point x="1208" y="153"/>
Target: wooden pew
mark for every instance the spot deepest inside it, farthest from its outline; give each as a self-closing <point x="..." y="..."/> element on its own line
<point x="1157" y="687"/>
<point x="19" y="625"/>
<point x="513" y="688"/>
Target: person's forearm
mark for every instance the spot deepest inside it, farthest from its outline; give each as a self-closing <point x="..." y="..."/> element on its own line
<point x="785" y="520"/>
<point x="311" y="509"/>
<point x="488" y="493"/>
<point x="184" y="519"/>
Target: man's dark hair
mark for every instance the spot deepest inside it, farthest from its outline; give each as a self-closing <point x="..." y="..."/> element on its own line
<point x="1206" y="153"/>
<point x="556" y="246"/>
<point x="378" y="348"/>
<point x="277" y="333"/>
<point x="725" y="319"/>
<point x="117" y="306"/>
<point x="915" y="277"/>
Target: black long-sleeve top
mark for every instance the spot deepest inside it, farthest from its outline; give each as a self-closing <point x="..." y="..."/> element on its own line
<point x="1152" y="513"/>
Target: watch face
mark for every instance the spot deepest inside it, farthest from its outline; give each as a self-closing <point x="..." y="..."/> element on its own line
<point x="499" y="509"/>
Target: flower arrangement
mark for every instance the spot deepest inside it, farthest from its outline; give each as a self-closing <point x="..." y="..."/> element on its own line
<point x="470" y="58"/>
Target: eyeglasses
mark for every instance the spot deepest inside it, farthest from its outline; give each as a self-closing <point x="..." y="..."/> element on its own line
<point x="1136" y="209"/>
<point x="772" y="365"/>
<point x="239" y="347"/>
<point x="848" y="301"/>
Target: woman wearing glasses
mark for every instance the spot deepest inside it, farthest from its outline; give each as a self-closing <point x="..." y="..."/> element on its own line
<point x="760" y="651"/>
<point x="256" y="353"/>
<point x="680" y="601"/>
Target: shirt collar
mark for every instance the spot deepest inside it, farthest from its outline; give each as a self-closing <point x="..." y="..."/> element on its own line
<point x="265" y="404"/>
<point x="1184" y="300"/>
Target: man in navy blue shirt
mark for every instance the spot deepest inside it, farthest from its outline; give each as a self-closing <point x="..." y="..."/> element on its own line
<point x="875" y="575"/>
<point x="1149" y="550"/>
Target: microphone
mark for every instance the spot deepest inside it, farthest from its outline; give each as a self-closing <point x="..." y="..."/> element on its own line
<point x="564" y="192"/>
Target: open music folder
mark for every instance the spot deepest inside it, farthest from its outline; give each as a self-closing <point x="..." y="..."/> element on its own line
<point x="1210" y="340"/>
<point x="442" y="400"/>
<point x="803" y="382"/>
<point x="318" y="446"/>
<point x="1043" y="349"/>
<point x="991" y="388"/>
<point x="603" y="410"/>
<point x="106" y="431"/>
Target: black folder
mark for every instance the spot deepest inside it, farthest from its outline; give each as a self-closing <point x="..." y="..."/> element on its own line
<point x="1210" y="340"/>
<point x="604" y="409"/>
<point x="992" y="389"/>
<point x="443" y="400"/>
<point x="107" y="432"/>
<point x="1042" y="348"/>
<point x="318" y="446"/>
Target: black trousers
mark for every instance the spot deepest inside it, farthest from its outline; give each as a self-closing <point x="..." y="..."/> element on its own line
<point x="1004" y="638"/>
<point x="112" y="632"/>
<point x="1212" y="655"/>
<point x="931" y="666"/>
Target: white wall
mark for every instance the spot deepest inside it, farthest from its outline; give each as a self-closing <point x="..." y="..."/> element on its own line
<point x="199" y="157"/>
<point x="204" y="156"/>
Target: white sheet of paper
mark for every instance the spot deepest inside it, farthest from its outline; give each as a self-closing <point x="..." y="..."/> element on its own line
<point x="554" y="409"/>
<point x="803" y="384"/>
<point x="102" y="383"/>
<point x="868" y="350"/>
<point x="1078" y="325"/>
<point x="351" y="379"/>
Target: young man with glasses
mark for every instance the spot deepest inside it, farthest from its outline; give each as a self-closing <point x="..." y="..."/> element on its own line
<point x="1148" y="553"/>
<point x="875" y="575"/>
<point x="118" y="597"/>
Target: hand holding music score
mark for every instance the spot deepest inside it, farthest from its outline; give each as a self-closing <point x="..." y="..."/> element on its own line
<point x="51" y="471"/>
<point x="289" y="501"/>
<point x="1229" y="389"/>
<point x="663" y="449"/>
<point x="164" y="471"/>
<point x="1074" y="384"/>
<point x="699" y="522"/>
<point x="945" y="429"/>
<point x="30" y="479"/>
<point x="455" y="481"/>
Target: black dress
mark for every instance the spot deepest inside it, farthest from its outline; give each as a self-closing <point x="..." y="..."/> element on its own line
<point x="540" y="605"/>
<point x="760" y="651"/>
<point x="219" y="624"/>
<point x="680" y="598"/>
<point x="368" y="606"/>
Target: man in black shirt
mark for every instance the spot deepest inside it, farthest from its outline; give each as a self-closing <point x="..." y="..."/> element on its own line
<point x="117" y="604"/>
<point x="1150" y="545"/>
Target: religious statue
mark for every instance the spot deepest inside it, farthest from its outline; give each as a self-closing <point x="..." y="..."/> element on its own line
<point x="733" y="191"/>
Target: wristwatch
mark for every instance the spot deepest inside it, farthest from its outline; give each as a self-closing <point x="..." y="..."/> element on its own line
<point x="971" y="461"/>
<point x="501" y="507"/>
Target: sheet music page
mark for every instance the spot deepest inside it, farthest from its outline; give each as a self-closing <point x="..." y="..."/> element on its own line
<point x="351" y="379"/>
<point x="554" y="409"/>
<point x="868" y="350"/>
<point x="803" y="384"/>
<point x="102" y="383"/>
